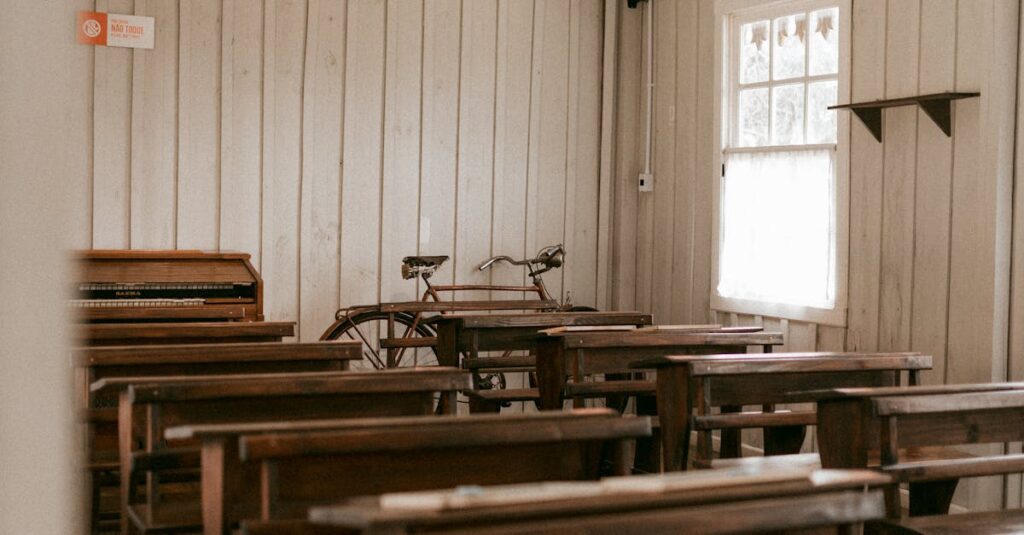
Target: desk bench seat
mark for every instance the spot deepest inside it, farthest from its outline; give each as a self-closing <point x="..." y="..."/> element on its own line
<point x="989" y="522"/>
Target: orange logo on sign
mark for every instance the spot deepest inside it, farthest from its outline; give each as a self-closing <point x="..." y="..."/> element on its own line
<point x="92" y="28"/>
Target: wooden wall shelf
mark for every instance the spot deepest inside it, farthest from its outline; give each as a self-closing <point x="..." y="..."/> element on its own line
<point x="938" y="106"/>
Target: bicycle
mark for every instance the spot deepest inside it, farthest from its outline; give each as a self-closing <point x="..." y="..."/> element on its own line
<point x="414" y="346"/>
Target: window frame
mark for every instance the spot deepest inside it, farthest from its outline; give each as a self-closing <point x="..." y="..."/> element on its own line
<point x="729" y="15"/>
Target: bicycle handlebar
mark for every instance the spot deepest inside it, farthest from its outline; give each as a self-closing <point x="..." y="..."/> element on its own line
<point x="550" y="257"/>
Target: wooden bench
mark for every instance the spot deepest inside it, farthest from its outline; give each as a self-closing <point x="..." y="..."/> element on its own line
<point x="99" y="362"/>
<point x="303" y="464"/>
<point x="469" y="335"/>
<point x="688" y="387"/>
<point x="132" y="334"/>
<point x="149" y="405"/>
<point x="712" y="502"/>
<point x="855" y="423"/>
<point x="100" y="414"/>
<point x="569" y="362"/>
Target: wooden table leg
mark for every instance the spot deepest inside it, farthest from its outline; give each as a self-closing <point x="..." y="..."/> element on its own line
<point x="447" y="354"/>
<point x="731" y="446"/>
<point x="647" y="457"/>
<point x="674" y="411"/>
<point x="550" y="375"/>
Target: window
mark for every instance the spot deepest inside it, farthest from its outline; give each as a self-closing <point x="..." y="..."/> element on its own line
<point x="779" y="225"/>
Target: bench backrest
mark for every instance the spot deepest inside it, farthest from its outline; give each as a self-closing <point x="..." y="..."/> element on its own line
<point x="99" y="363"/>
<point x="110" y="334"/>
<point x="149" y="405"/>
<point x="728" y="380"/>
<point x="855" y="422"/>
<point x="615" y="351"/>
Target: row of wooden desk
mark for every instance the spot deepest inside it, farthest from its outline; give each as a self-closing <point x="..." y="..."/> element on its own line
<point x="255" y="435"/>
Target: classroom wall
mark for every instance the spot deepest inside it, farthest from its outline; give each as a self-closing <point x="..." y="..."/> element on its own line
<point x="929" y="216"/>
<point x="329" y="139"/>
<point x="41" y="114"/>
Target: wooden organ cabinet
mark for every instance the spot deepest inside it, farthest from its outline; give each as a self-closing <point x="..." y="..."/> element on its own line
<point x="144" y="297"/>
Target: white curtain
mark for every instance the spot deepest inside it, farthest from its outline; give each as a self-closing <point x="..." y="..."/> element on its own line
<point x="778" y="227"/>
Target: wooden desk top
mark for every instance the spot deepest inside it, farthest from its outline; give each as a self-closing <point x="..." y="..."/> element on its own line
<point x="545" y="319"/>
<point x="768" y="363"/>
<point x="660" y="337"/>
<point x="426" y="431"/>
<point x="448" y="431"/>
<point x="206" y="387"/>
<point x="209" y="353"/>
<point x="854" y="393"/>
<point x="532" y="500"/>
<point x="220" y="329"/>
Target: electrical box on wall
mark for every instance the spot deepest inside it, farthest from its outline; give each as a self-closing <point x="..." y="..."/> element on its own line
<point x="646" y="182"/>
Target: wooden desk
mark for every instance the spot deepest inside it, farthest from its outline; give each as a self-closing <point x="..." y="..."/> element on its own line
<point x="149" y="405"/>
<point x="566" y="360"/>
<point x="858" y="424"/>
<point x="100" y="362"/>
<point x="720" y="501"/>
<point x="469" y="335"/>
<point x="110" y="334"/>
<point x="303" y="464"/>
<point x="689" y="386"/>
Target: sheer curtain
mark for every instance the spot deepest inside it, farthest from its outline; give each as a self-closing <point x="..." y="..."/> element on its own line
<point x="778" y="218"/>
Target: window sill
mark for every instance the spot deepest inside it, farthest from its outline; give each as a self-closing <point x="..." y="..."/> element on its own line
<point x="835" y="317"/>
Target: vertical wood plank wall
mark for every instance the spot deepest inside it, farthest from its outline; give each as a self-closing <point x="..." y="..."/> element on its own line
<point x="330" y="138"/>
<point x="930" y="215"/>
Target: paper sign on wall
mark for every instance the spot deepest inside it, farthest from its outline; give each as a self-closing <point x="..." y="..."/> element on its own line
<point x="112" y="29"/>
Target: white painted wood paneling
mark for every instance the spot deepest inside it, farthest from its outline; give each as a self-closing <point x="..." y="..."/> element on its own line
<point x="330" y="139"/>
<point x="929" y="215"/>
<point x="475" y="170"/>
<point x="284" y="44"/>
<point x="401" y="185"/>
<point x="323" y="84"/>
<point x="241" y="136"/>
<point x="199" y="79"/>
<point x="112" y="126"/>
<point x="154" y="134"/>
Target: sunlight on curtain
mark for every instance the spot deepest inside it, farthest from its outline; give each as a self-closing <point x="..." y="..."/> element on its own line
<point x="779" y="227"/>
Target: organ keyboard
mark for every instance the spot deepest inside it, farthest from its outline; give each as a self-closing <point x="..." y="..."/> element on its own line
<point x="117" y="286"/>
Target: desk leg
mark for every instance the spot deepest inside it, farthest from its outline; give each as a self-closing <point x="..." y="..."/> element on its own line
<point x="731" y="446"/>
<point x="550" y="377"/>
<point x="447" y="354"/>
<point x="674" y="411"/>
<point x="647" y="458"/>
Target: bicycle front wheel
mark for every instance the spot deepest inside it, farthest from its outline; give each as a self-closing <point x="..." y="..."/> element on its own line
<point x="371" y="328"/>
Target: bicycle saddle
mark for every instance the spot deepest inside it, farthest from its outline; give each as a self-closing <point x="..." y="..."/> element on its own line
<point x="424" y="261"/>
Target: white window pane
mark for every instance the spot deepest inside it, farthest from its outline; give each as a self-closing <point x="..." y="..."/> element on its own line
<point x="821" y="121"/>
<point x="788" y="114"/>
<point x="824" y="42"/>
<point x="790" y="35"/>
<point x="778" y="228"/>
<point x="754" y="50"/>
<point x="753" y="117"/>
